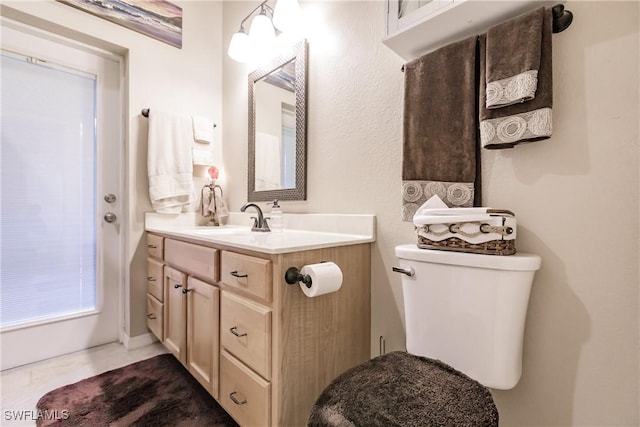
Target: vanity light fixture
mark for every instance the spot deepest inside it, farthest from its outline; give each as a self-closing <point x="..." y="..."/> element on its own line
<point x="261" y="40"/>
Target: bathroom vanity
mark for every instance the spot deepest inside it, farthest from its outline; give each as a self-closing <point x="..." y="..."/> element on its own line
<point x="217" y="299"/>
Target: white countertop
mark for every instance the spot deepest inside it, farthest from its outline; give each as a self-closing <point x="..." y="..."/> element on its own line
<point x="323" y="230"/>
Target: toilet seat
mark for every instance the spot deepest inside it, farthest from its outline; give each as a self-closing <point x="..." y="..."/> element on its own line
<point x="401" y="389"/>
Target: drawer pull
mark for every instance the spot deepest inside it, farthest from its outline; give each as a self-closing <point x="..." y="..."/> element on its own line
<point x="152" y="246"/>
<point x="234" y="331"/>
<point x="151" y="278"/>
<point x="236" y="274"/>
<point x="184" y="291"/>
<point x="236" y="401"/>
<point x="151" y="316"/>
<point x="176" y="286"/>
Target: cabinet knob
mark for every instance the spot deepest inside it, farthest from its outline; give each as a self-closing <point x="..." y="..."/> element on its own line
<point x="152" y="246"/>
<point x="151" y="316"/>
<point x="236" y="274"/>
<point x="235" y="332"/>
<point x="232" y="396"/>
<point x="151" y="278"/>
<point x="176" y="286"/>
<point x="184" y="291"/>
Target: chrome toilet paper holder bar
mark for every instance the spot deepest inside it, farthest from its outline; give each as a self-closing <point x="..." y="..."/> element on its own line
<point x="293" y="276"/>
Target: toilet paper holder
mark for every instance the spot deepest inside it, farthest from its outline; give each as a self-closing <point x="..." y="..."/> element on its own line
<point x="293" y="276"/>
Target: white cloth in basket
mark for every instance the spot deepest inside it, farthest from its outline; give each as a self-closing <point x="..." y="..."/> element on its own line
<point x="437" y="222"/>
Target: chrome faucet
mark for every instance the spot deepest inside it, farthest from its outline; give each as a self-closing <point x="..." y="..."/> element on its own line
<point x="260" y="223"/>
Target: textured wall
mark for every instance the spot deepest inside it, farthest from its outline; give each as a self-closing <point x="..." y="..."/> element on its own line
<point x="576" y="195"/>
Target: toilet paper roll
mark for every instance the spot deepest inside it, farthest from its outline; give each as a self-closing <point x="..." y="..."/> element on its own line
<point x="325" y="277"/>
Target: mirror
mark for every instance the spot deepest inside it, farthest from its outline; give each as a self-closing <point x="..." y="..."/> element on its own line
<point x="277" y="128"/>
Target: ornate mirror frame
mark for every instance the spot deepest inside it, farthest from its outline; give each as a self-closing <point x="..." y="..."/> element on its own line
<point x="298" y="53"/>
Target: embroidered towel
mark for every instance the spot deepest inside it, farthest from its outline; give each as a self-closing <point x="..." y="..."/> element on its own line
<point x="526" y="121"/>
<point x="169" y="162"/>
<point x="440" y="122"/>
<point x="514" y="59"/>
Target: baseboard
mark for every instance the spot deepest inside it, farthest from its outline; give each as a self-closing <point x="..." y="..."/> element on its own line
<point x="131" y="343"/>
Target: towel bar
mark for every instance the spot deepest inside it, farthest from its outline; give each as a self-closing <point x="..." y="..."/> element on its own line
<point x="145" y="113"/>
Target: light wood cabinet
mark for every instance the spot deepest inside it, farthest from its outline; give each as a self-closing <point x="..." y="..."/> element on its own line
<point x="203" y="345"/>
<point x="245" y="395"/>
<point x="261" y="347"/>
<point x="175" y="312"/>
<point x="155" y="286"/>
<point x="245" y="331"/>
<point x="191" y="325"/>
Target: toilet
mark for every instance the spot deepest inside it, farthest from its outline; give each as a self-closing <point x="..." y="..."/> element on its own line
<point x="464" y="318"/>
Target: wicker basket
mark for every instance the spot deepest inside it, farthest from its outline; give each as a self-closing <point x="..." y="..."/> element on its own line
<point x="494" y="236"/>
<point x="492" y="247"/>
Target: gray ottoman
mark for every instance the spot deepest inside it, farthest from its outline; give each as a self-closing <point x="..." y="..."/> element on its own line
<point x="400" y="389"/>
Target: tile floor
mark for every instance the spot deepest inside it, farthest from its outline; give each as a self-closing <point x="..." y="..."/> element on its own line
<point x="22" y="387"/>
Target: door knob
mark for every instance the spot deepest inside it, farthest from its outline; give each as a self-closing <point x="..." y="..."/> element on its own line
<point x="110" y="217"/>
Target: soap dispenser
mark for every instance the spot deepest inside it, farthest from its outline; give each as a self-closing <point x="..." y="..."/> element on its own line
<point x="276" y="217"/>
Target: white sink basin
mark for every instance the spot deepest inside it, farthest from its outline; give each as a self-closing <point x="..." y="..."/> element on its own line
<point x="218" y="231"/>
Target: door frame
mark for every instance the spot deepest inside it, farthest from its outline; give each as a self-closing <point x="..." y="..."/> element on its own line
<point x="122" y="193"/>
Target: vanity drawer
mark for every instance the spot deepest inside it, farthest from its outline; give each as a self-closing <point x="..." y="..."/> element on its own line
<point x="245" y="331"/>
<point x="245" y="395"/>
<point x="155" y="278"/>
<point x="247" y="273"/>
<point x="155" y="246"/>
<point x="200" y="261"/>
<point x="155" y="317"/>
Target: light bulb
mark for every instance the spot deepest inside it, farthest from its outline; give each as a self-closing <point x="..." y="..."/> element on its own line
<point x="262" y="36"/>
<point x="240" y="47"/>
<point x="286" y="14"/>
<point x="262" y="31"/>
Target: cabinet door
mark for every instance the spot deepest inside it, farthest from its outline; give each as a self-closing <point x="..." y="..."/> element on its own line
<point x="404" y="13"/>
<point x="245" y="331"/>
<point x="244" y="395"/>
<point x="155" y="280"/>
<point x="175" y="305"/>
<point x="155" y="313"/>
<point x="203" y="302"/>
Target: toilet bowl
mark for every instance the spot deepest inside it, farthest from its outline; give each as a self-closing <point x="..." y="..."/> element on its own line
<point x="464" y="318"/>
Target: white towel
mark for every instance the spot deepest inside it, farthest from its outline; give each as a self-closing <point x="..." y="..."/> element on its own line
<point x="169" y="161"/>
<point x="202" y="130"/>
<point x="203" y="154"/>
<point x="202" y="141"/>
<point x="435" y="211"/>
<point x="267" y="162"/>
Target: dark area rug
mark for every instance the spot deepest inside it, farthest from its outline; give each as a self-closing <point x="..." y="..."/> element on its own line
<point x="154" y="392"/>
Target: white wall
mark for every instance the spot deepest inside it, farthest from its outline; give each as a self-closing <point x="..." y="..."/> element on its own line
<point x="187" y="80"/>
<point x="576" y="196"/>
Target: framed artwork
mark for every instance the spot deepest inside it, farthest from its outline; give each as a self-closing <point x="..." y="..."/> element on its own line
<point x="159" y="19"/>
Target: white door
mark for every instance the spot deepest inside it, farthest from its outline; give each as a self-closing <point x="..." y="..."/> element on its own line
<point x="61" y="232"/>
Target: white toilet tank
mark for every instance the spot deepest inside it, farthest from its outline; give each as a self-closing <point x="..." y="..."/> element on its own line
<point x="468" y="310"/>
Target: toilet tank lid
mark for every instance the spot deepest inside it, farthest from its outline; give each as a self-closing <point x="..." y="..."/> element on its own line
<point x="517" y="262"/>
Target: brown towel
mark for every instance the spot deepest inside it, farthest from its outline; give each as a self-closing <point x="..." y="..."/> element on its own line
<point x="440" y="128"/>
<point x="514" y="59"/>
<point x="524" y="122"/>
